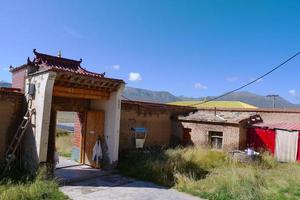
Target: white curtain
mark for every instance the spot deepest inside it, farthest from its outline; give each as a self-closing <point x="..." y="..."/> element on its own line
<point x="286" y="145"/>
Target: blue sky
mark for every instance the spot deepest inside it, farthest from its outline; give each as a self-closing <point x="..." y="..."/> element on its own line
<point x="192" y="48"/>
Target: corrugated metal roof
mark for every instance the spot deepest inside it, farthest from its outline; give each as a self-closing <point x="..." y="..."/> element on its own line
<point x="279" y="125"/>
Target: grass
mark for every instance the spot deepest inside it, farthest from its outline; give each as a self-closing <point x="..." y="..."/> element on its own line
<point x="64" y="143"/>
<point x="66" y="117"/>
<point x="213" y="175"/>
<point x="29" y="188"/>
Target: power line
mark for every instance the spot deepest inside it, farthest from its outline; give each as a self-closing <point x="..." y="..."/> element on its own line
<point x="251" y="82"/>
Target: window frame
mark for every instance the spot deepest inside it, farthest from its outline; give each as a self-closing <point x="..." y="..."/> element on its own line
<point x="215" y="137"/>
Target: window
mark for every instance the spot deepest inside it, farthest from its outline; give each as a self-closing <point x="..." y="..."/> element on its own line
<point x="216" y="139"/>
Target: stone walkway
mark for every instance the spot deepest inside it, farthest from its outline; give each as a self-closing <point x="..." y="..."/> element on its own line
<point x="116" y="187"/>
<point x="81" y="182"/>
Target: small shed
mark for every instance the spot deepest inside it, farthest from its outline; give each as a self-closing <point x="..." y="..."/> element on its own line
<point x="225" y="131"/>
<point x="281" y="139"/>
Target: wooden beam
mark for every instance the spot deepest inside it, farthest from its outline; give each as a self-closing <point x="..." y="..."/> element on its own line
<point x="71" y="92"/>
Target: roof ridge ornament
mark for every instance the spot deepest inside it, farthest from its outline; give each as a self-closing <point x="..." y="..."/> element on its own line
<point x="59" y="54"/>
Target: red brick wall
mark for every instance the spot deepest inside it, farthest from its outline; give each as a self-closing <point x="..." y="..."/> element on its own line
<point x="78" y="126"/>
<point x="18" y="79"/>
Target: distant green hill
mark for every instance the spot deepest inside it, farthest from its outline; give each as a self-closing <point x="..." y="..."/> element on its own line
<point x="5" y="84"/>
<point x="148" y="95"/>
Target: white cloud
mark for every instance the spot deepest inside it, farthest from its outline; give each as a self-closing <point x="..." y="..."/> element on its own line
<point x="293" y="92"/>
<point x="232" y="78"/>
<point x="115" y="67"/>
<point x="200" y="86"/>
<point x="135" y="76"/>
<point x="4" y="68"/>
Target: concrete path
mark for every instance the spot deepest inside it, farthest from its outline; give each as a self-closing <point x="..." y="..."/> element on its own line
<point x="81" y="182"/>
<point x="116" y="187"/>
<point x="66" y="162"/>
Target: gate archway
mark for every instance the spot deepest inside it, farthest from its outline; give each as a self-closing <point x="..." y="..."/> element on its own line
<point x="60" y="84"/>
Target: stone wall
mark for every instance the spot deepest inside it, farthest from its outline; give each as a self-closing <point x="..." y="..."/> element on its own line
<point x="200" y="135"/>
<point x="10" y="114"/>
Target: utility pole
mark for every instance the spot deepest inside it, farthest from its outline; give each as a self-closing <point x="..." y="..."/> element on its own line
<point x="274" y="98"/>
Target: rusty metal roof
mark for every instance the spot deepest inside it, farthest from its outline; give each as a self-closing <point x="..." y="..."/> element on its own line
<point x="279" y="125"/>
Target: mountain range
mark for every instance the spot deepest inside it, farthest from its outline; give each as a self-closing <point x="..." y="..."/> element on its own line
<point x="138" y="94"/>
<point x="246" y="97"/>
<point x="4" y="84"/>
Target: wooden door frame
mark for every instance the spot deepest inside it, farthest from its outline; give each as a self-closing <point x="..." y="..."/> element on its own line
<point x="83" y="139"/>
<point x="84" y="135"/>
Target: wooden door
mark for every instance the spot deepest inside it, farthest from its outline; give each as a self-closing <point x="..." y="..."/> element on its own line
<point x="94" y="128"/>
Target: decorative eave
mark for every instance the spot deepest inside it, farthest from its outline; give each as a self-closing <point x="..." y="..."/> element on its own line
<point x="71" y="80"/>
<point x="44" y="62"/>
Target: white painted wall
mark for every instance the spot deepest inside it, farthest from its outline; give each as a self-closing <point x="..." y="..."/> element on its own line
<point x="112" y="109"/>
<point x="42" y="102"/>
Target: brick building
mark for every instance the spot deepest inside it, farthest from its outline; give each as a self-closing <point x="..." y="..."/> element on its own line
<point x="227" y="129"/>
<point x="218" y="130"/>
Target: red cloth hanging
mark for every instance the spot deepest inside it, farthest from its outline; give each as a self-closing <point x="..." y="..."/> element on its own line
<point x="298" y="156"/>
<point x="260" y="138"/>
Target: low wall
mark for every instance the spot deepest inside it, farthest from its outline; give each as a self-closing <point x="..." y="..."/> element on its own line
<point x="11" y="111"/>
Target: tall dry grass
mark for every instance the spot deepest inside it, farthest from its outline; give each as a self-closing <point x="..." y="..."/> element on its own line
<point x="213" y="175"/>
<point x="64" y="143"/>
<point x="33" y="188"/>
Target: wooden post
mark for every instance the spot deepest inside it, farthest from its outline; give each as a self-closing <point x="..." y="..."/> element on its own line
<point x="51" y="141"/>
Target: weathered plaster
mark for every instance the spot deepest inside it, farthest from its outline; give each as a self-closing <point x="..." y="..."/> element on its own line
<point x="42" y="104"/>
<point x="112" y="109"/>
